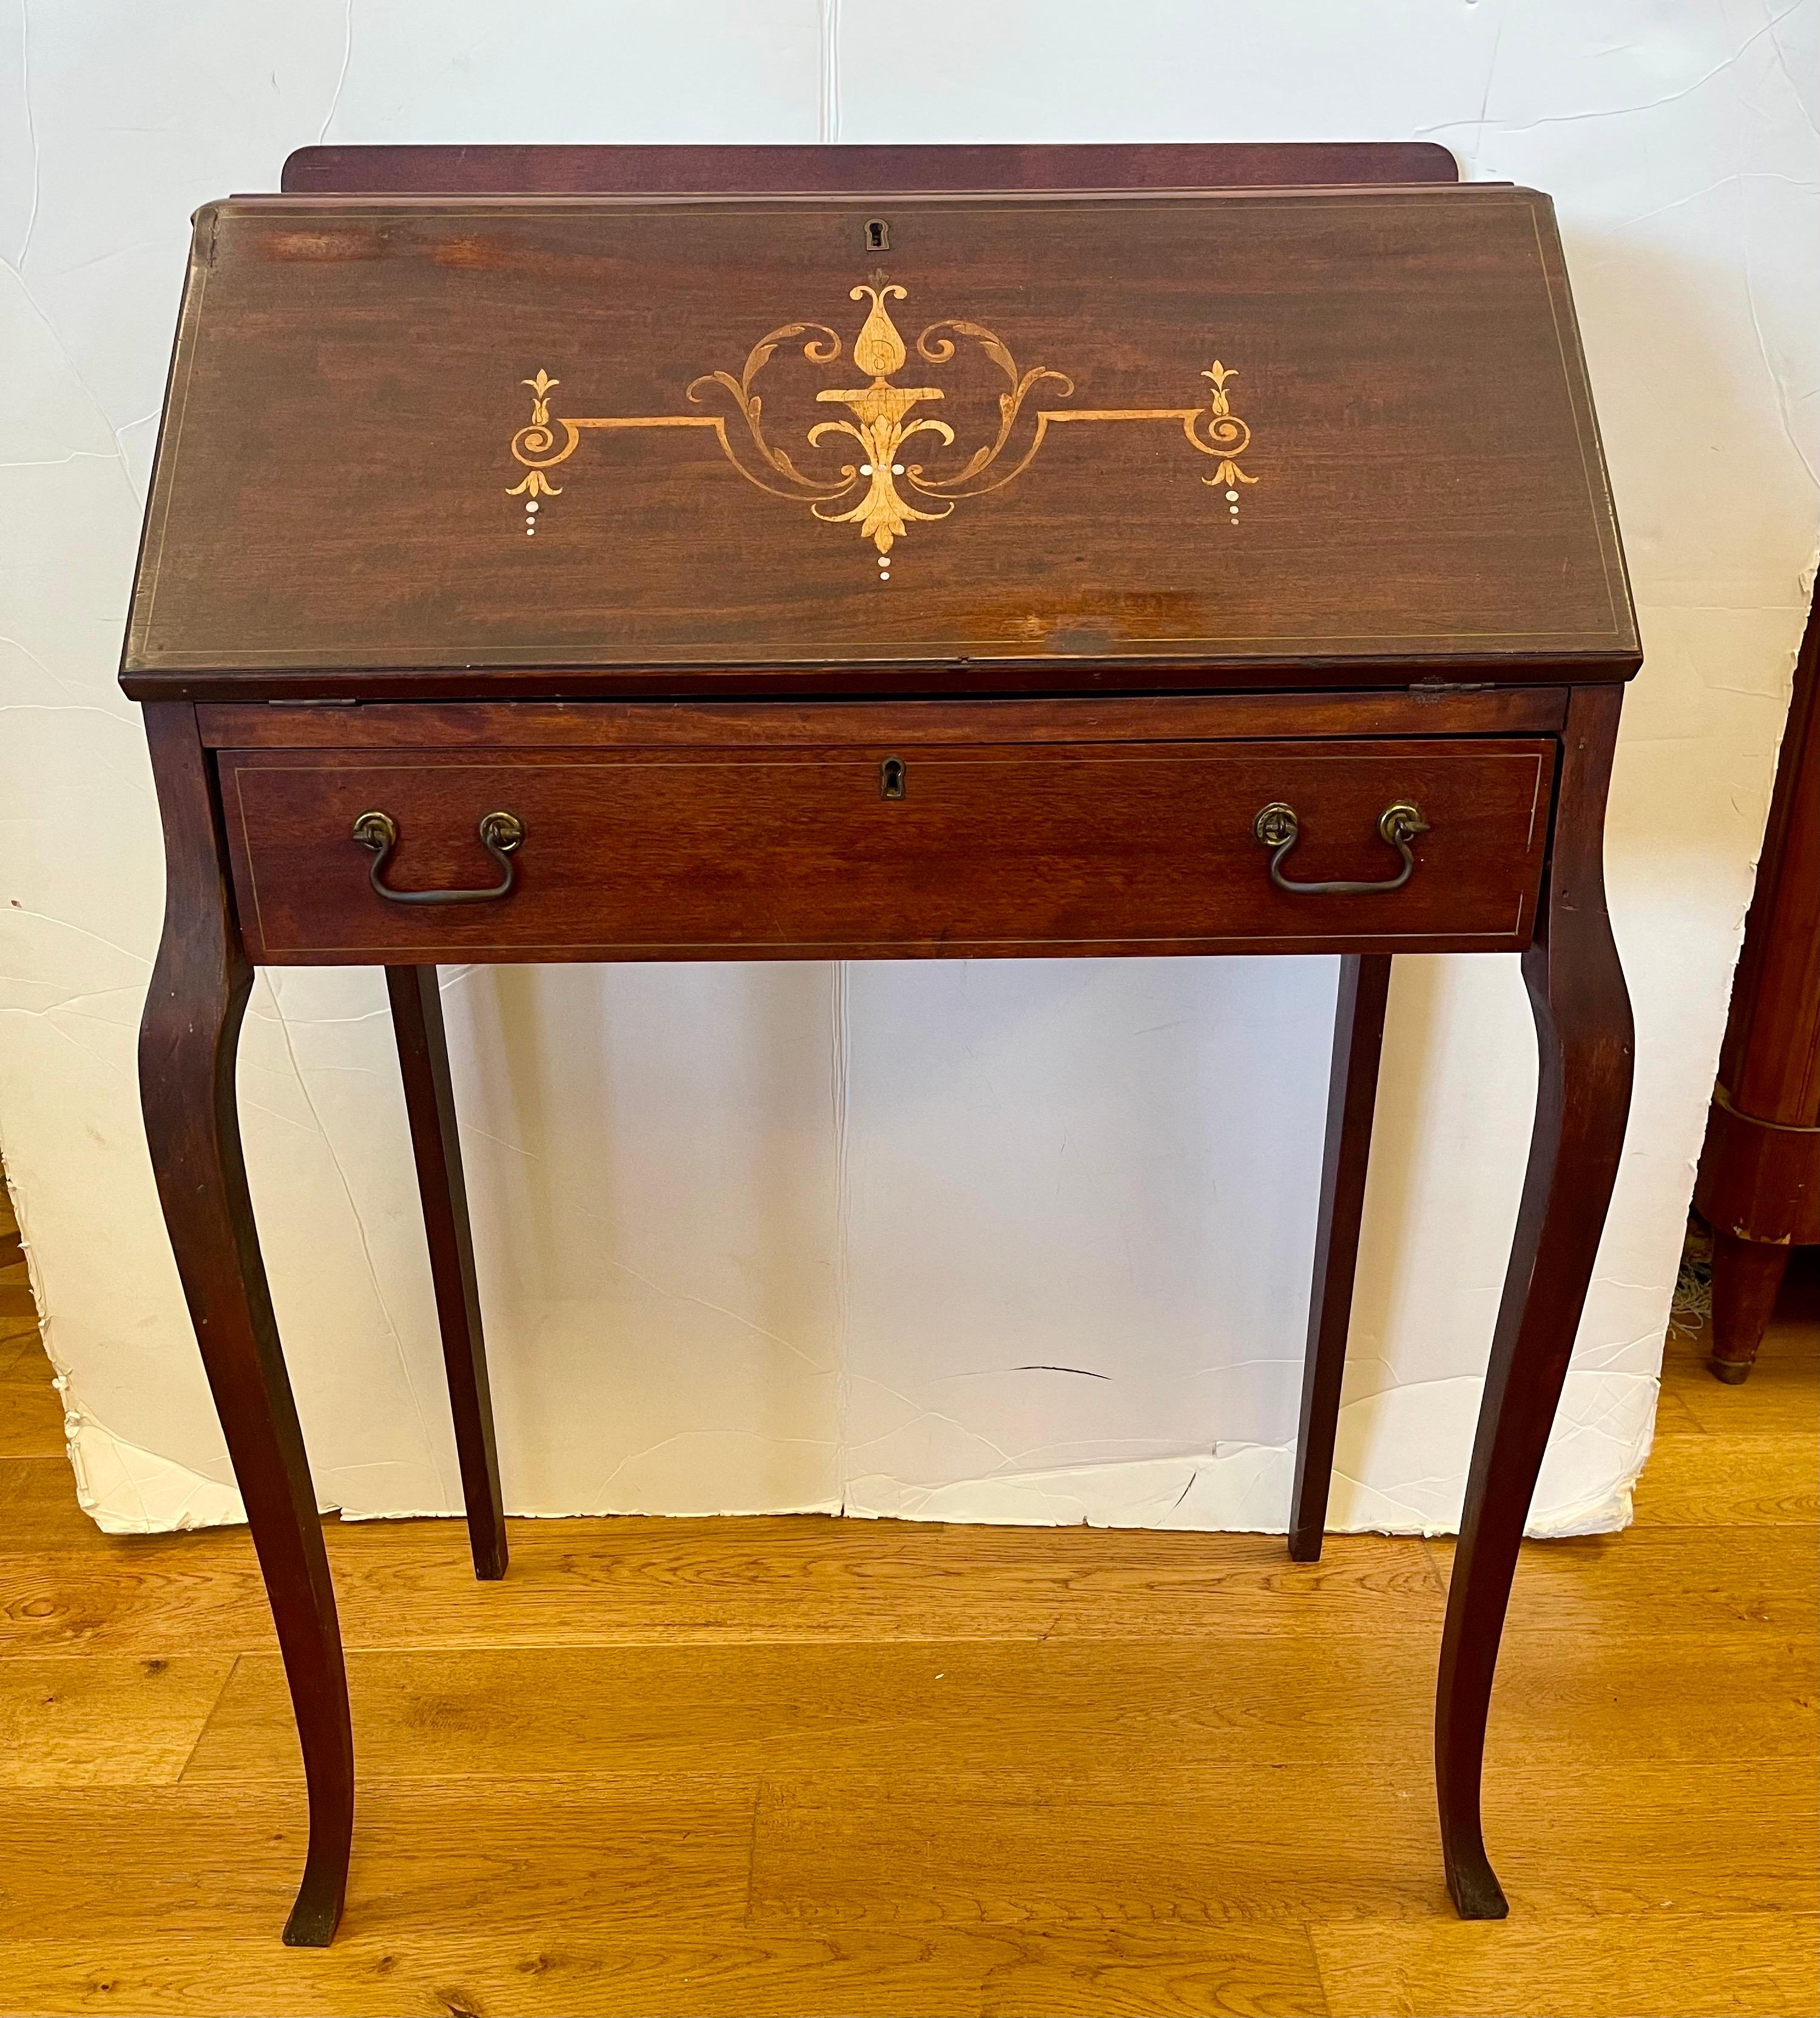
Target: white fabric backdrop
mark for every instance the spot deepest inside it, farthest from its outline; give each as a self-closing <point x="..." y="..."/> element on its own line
<point x="806" y="1237"/>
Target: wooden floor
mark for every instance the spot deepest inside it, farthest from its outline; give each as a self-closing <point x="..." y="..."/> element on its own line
<point x="819" y="1767"/>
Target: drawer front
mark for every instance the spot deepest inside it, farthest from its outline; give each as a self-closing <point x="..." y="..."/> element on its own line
<point x="886" y="849"/>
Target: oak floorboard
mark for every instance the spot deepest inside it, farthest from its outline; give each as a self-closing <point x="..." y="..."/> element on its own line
<point x="1783" y="1405"/>
<point x="1678" y="1581"/>
<point x="1673" y="1420"/>
<point x="40" y="1513"/>
<point x="671" y="1855"/>
<point x="112" y="1722"/>
<point x="795" y="1578"/>
<point x="31" y="1411"/>
<point x="1127" y="1973"/>
<point x="1315" y="1843"/>
<point x="1722" y="1479"/>
<point x="19" y="1344"/>
<point x="18" y="1306"/>
<point x="1107" y="1710"/>
<point x="1072" y="1714"/>
<point x="1704" y="1965"/>
<point x="1254" y="1973"/>
<point x="20" y="1360"/>
<point x="26" y="1385"/>
<point x="1781" y="1397"/>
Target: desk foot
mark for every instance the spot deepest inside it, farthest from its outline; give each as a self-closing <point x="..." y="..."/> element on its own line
<point x="188" y="1038"/>
<point x="1584" y="1034"/>
<point x="1476" y="1893"/>
<point x="318" y="1909"/>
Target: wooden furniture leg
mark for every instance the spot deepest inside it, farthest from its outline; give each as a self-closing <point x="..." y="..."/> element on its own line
<point x="187" y="1041"/>
<point x="1351" y="1096"/>
<point x="1584" y="1035"/>
<point x="1747" y="1275"/>
<point x="1759" y="1182"/>
<point x="429" y="1100"/>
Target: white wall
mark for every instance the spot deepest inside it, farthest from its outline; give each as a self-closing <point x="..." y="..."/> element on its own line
<point x="781" y="1237"/>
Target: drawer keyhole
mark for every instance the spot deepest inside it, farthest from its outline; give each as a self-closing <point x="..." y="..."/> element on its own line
<point x="878" y="235"/>
<point x="890" y="778"/>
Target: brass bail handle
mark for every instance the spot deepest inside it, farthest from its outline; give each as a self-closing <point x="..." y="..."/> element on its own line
<point x="499" y="835"/>
<point x="1279" y="829"/>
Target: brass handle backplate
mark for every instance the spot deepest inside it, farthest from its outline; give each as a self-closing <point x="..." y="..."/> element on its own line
<point x="1279" y="829"/>
<point x="500" y="833"/>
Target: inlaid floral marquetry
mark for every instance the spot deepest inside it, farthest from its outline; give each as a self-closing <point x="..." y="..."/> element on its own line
<point x="872" y="484"/>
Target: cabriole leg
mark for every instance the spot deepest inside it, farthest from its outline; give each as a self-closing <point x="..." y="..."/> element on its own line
<point x="1584" y="1031"/>
<point x="187" y="1042"/>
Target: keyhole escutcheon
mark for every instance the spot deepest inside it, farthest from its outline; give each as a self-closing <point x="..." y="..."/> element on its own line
<point x="890" y="778"/>
<point x="878" y="235"/>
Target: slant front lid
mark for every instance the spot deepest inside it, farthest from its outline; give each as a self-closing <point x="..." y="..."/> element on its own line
<point x="1242" y="432"/>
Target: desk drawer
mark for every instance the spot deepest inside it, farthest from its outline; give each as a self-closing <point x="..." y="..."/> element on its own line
<point x="885" y="849"/>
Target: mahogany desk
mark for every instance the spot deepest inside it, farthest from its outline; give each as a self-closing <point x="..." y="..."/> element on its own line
<point x="920" y="552"/>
